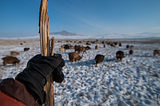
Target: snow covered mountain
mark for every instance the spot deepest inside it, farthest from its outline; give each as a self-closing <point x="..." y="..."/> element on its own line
<point x="65" y="33"/>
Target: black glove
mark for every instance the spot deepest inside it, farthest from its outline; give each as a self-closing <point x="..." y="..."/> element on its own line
<point x="58" y="75"/>
<point x="38" y="71"/>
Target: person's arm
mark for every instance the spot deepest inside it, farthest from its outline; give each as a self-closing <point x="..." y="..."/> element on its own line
<point x="37" y="73"/>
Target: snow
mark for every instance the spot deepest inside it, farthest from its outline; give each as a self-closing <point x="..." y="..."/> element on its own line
<point x="134" y="81"/>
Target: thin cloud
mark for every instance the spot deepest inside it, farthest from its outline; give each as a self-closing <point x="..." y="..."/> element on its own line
<point x="158" y="28"/>
<point x="84" y="19"/>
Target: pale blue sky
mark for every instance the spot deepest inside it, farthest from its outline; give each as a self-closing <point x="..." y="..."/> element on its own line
<point x="21" y="17"/>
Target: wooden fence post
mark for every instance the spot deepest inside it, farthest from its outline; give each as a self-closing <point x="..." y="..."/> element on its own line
<point x="45" y="47"/>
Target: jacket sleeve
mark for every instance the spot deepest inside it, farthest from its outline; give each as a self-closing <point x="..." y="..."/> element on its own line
<point x="16" y="92"/>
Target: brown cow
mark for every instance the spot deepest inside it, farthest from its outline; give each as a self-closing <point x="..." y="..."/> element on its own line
<point x="71" y="47"/>
<point x="10" y="60"/>
<point x="156" y="52"/>
<point x="14" y="53"/>
<point x="131" y="47"/>
<point x="62" y="49"/>
<point x="76" y="47"/>
<point x="104" y="46"/>
<point x="26" y="49"/>
<point x="130" y="52"/>
<point x="119" y="55"/>
<point x="74" y="56"/>
<point x="81" y="49"/>
<point x="99" y="58"/>
<point x="96" y="47"/>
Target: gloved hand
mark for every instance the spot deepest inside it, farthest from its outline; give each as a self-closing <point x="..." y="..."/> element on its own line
<point x="38" y="71"/>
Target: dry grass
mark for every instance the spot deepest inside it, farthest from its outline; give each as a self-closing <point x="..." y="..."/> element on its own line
<point x="15" y="42"/>
<point x="142" y="41"/>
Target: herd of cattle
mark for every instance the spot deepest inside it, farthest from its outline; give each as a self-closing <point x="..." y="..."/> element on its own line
<point x="12" y="59"/>
<point x="74" y="56"/>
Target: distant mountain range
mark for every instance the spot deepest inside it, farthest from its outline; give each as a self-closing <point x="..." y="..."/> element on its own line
<point x="65" y="33"/>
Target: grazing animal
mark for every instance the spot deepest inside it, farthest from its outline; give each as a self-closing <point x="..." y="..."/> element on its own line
<point x="14" y="53"/>
<point x="115" y="43"/>
<point x="130" y="52"/>
<point x="96" y="47"/>
<point x="103" y="42"/>
<point x="67" y="46"/>
<point x="21" y="43"/>
<point x="71" y="47"/>
<point x="76" y="47"/>
<point x="10" y="60"/>
<point x="74" y="56"/>
<point x="26" y="49"/>
<point x="99" y="58"/>
<point x="120" y="44"/>
<point x="62" y="49"/>
<point x="81" y="49"/>
<point x="131" y="47"/>
<point x="127" y="46"/>
<point x="88" y="43"/>
<point x="104" y="46"/>
<point x="87" y="48"/>
<point x="119" y="55"/>
<point x="156" y="52"/>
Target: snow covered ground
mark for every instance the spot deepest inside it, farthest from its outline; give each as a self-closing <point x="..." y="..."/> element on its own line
<point x="135" y="81"/>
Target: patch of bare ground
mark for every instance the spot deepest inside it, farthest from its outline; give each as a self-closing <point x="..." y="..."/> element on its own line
<point x="16" y="42"/>
<point x="141" y="41"/>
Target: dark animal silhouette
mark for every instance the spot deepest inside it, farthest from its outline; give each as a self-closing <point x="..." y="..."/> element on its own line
<point x="66" y="46"/>
<point x="119" y="55"/>
<point x="130" y="52"/>
<point x="99" y="58"/>
<point x="156" y="52"/>
<point x="26" y="49"/>
<point x="120" y="44"/>
<point x="127" y="46"/>
<point x="87" y="48"/>
<point x="76" y="47"/>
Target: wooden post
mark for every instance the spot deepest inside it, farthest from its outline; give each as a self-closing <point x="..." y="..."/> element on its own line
<point x="52" y="46"/>
<point x="43" y="15"/>
<point x="45" y="47"/>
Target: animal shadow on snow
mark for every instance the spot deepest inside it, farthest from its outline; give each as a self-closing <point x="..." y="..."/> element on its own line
<point x="110" y="60"/>
<point x="80" y="63"/>
<point x="141" y="55"/>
